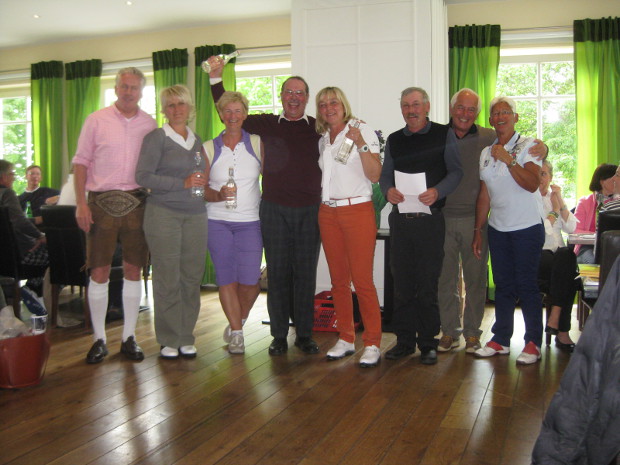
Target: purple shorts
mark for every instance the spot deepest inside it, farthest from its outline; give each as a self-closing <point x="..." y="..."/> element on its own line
<point x="236" y="249"/>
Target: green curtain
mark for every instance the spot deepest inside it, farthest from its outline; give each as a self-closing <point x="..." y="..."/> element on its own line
<point x="83" y="92"/>
<point x="474" y="60"/>
<point x="208" y="124"/>
<point x="597" y="89"/>
<point x="46" y="90"/>
<point x="170" y="67"/>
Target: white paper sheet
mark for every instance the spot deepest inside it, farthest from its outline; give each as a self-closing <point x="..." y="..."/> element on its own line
<point x="411" y="185"/>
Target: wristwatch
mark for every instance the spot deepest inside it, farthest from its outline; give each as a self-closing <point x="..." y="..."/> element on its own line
<point x="512" y="163"/>
<point x="364" y="148"/>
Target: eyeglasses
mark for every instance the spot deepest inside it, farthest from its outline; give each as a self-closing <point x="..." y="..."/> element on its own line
<point x="503" y="113"/>
<point x="298" y="93"/>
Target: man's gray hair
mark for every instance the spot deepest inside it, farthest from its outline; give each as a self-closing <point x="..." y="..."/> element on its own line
<point x="511" y="103"/>
<point x="465" y="89"/>
<point x="131" y="70"/>
<point x="410" y="90"/>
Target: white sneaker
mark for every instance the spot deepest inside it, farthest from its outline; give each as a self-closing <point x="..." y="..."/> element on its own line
<point x="340" y="350"/>
<point x="169" y="352"/>
<point x="370" y="357"/>
<point x="492" y="348"/>
<point x="530" y="354"/>
<point x="236" y="345"/>
<point x="188" y="351"/>
<point x="227" y="334"/>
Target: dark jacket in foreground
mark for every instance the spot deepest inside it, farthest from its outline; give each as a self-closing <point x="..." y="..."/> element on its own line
<point x="582" y="425"/>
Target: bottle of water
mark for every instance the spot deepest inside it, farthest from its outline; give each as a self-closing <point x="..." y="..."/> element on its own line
<point x="206" y="67"/>
<point x="231" y="199"/>
<point x="198" y="191"/>
<point x="345" y="149"/>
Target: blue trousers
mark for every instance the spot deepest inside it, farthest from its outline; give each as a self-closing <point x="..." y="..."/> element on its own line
<point x="515" y="256"/>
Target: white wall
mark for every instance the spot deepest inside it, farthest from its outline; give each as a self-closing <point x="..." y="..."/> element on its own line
<point x="372" y="50"/>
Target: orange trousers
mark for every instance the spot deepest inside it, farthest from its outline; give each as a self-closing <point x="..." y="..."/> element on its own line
<point x="349" y="236"/>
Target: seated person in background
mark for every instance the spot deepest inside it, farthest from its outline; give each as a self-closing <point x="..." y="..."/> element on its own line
<point x="30" y="240"/>
<point x="602" y="186"/>
<point x="558" y="264"/>
<point x="37" y="195"/>
<point x="613" y="204"/>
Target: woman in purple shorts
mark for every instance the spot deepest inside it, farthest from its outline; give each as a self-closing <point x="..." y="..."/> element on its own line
<point x="234" y="241"/>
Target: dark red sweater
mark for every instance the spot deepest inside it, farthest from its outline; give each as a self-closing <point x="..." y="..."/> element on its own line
<point x="291" y="175"/>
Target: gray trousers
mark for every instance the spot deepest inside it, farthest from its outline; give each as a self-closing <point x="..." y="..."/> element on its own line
<point x="457" y="249"/>
<point x="178" y="246"/>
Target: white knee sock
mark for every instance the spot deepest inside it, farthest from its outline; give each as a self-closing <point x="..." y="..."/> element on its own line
<point x="132" y="294"/>
<point x="98" y="302"/>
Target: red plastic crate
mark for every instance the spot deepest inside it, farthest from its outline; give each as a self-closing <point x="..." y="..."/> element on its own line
<point x="324" y="313"/>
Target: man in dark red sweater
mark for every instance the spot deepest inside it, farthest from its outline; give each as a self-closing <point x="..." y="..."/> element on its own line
<point x="289" y="209"/>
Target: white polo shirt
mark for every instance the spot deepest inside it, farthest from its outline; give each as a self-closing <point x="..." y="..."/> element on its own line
<point x="512" y="207"/>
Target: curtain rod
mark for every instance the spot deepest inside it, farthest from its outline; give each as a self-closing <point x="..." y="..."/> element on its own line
<point x="20" y="74"/>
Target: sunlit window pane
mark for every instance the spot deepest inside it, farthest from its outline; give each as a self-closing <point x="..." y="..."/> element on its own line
<point x="517" y="79"/>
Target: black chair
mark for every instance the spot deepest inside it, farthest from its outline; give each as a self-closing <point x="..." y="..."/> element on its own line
<point x="66" y="247"/>
<point x="11" y="266"/>
<point x="606" y="221"/>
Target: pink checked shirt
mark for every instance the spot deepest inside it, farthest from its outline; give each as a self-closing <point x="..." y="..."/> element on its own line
<point x="109" y="148"/>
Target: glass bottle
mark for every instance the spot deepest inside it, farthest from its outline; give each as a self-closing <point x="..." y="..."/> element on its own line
<point x="28" y="209"/>
<point x="206" y="67"/>
<point x="345" y="149"/>
<point x="198" y="191"/>
<point x="231" y="200"/>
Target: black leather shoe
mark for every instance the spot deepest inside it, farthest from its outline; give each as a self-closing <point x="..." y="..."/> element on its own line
<point x="552" y="331"/>
<point x="399" y="351"/>
<point x="428" y="357"/>
<point x="97" y="352"/>
<point x="565" y="347"/>
<point x="307" y="345"/>
<point x="132" y="350"/>
<point x="278" y="346"/>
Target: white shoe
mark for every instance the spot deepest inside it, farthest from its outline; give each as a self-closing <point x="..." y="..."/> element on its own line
<point x="530" y="354"/>
<point x="188" y="351"/>
<point x="370" y="357"/>
<point x="227" y="334"/>
<point x="236" y="345"/>
<point x="492" y="348"/>
<point x="340" y="350"/>
<point x="169" y="352"/>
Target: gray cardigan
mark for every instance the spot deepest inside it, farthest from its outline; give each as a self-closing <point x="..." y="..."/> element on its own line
<point x="163" y="166"/>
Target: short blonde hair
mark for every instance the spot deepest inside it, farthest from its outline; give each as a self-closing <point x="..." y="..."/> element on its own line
<point x="338" y="94"/>
<point x="232" y="97"/>
<point x="179" y="91"/>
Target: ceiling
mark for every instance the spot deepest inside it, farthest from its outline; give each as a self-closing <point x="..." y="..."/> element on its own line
<point x="63" y="20"/>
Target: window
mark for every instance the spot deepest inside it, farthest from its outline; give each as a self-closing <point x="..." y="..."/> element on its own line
<point x="260" y="75"/>
<point x="16" y="136"/>
<point x="544" y="89"/>
<point x="263" y="92"/>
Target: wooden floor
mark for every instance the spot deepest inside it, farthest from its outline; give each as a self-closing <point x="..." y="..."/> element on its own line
<point x="256" y="409"/>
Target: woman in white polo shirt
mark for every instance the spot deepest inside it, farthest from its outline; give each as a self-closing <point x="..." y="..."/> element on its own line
<point x="347" y="221"/>
<point x="509" y="182"/>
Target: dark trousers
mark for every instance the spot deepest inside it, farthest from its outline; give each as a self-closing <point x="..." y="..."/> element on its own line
<point x="556" y="277"/>
<point x="515" y="256"/>
<point x="292" y="242"/>
<point x="416" y="255"/>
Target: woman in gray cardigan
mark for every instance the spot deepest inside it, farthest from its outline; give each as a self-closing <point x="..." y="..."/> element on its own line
<point x="175" y="222"/>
